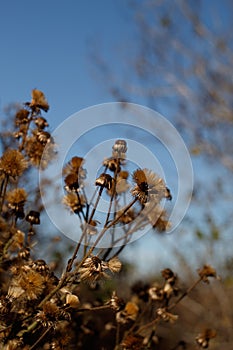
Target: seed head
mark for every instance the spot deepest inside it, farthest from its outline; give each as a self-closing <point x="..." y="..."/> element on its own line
<point x="73" y="202"/>
<point x="114" y="265"/>
<point x="13" y="163"/>
<point x="39" y="100"/>
<point x="119" y="149"/>
<point x="27" y="283"/>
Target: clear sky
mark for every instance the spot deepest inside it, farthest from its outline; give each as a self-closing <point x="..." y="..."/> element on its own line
<point x="48" y="45"/>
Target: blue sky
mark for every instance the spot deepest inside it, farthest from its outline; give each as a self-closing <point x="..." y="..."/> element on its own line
<point x="47" y="45"/>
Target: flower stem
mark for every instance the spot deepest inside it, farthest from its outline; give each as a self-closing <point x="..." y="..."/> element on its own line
<point x="3" y="191"/>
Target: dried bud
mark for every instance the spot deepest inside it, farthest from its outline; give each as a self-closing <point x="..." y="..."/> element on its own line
<point x="40" y="266"/>
<point x="167" y="316"/>
<point x="43" y="137"/>
<point x="112" y="164"/>
<point x="24" y="253"/>
<point x="156" y="293"/>
<point x="91" y="228"/>
<point x="203" y="338"/>
<point x="116" y="303"/>
<point x="72" y="300"/>
<point x="119" y="149"/>
<point x="104" y="180"/>
<point x="41" y="123"/>
<point x="114" y="265"/>
<point x="169" y="275"/>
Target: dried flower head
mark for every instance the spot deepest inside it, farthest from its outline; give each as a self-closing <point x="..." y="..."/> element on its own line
<point x="18" y="240"/>
<point x="156" y="293"/>
<point x="33" y="217"/>
<point x="28" y="284"/>
<point x="75" y="166"/>
<point x="16" y="200"/>
<point x="127" y="217"/>
<point x="41" y="123"/>
<point x="95" y="269"/>
<point x="21" y="117"/>
<point x="169" y="275"/>
<point x="24" y="253"/>
<point x="12" y="163"/>
<point x="204" y="338"/>
<point x="162" y="224"/>
<point x="72" y="183"/>
<point x="170" y="287"/>
<point x="149" y="187"/>
<point x="39" y="100"/>
<point x="207" y="271"/>
<point x="44" y="137"/>
<point x="112" y="164"/>
<point x="48" y="316"/>
<point x="39" y="154"/>
<point x="74" y="202"/>
<point x="105" y="181"/>
<point x="129" y="313"/>
<point x="157" y="216"/>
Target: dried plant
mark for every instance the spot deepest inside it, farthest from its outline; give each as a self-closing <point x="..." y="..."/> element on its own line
<point x="86" y="307"/>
